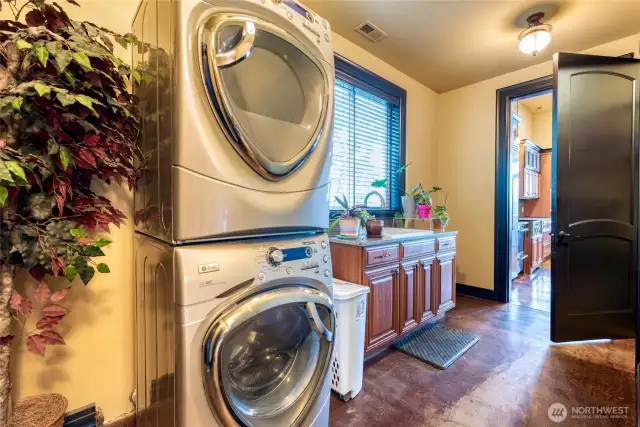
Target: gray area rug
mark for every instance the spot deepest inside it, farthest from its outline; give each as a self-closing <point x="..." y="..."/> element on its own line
<point x="437" y="345"/>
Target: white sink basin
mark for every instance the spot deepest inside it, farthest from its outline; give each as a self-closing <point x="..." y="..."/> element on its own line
<point x="399" y="233"/>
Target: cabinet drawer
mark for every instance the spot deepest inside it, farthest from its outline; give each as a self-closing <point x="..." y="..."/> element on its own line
<point x="381" y="255"/>
<point x="446" y="244"/>
<point x="421" y="247"/>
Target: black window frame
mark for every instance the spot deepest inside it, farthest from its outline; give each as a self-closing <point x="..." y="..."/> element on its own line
<point x="368" y="81"/>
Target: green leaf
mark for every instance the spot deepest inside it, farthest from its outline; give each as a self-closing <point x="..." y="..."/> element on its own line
<point x="23" y="44"/>
<point x="65" y="157"/>
<point x="4" y="193"/>
<point x="16" y="169"/>
<point x="86" y="274"/>
<point x="17" y="103"/>
<point x="41" y="88"/>
<point x="98" y="243"/>
<point x="103" y="268"/>
<point x="87" y="102"/>
<point x="136" y="75"/>
<point x="70" y="272"/>
<point x="42" y="54"/>
<point x="78" y="233"/>
<point x="63" y="58"/>
<point x="52" y="147"/>
<point x="92" y="251"/>
<point x="65" y="99"/>
<point x="82" y="59"/>
<point x="334" y="223"/>
<point x="5" y="175"/>
<point x="379" y="183"/>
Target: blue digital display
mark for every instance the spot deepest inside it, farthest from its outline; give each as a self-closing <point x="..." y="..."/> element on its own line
<point x="297" y="8"/>
<point x="293" y="254"/>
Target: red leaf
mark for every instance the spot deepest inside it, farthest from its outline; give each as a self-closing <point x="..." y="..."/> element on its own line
<point x="42" y="293"/>
<point x="57" y="265"/>
<point x="6" y="340"/>
<point x="91" y="140"/>
<point x="35" y="18"/>
<point x="52" y="338"/>
<point x="37" y="344"/>
<point x="49" y="322"/>
<point x="54" y="310"/>
<point x="21" y="304"/>
<point x="37" y="272"/>
<point x="60" y="203"/>
<point x="3" y="143"/>
<point x="60" y="294"/>
<point x="85" y="241"/>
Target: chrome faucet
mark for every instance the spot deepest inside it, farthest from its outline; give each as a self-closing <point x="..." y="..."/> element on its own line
<point x="374" y="193"/>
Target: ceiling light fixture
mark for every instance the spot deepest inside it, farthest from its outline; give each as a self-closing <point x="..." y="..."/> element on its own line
<point x="536" y="37"/>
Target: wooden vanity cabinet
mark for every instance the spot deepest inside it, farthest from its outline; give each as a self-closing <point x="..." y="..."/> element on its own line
<point x="410" y="283"/>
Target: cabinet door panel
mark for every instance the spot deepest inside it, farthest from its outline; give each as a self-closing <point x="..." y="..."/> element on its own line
<point x="427" y="279"/>
<point x="383" y="304"/>
<point x="447" y="278"/>
<point x="409" y="294"/>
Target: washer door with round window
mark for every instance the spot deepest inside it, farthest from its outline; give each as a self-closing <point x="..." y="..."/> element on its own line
<point x="268" y="92"/>
<point x="265" y="360"/>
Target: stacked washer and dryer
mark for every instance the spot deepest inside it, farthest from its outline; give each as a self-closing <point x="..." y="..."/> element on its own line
<point x="234" y="311"/>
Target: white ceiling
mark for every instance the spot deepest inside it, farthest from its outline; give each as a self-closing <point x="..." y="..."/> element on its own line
<point x="538" y="104"/>
<point x="446" y="44"/>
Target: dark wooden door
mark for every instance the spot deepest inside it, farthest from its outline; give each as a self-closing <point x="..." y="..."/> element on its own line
<point x="427" y="308"/>
<point x="382" y="306"/>
<point x="409" y="282"/>
<point x="595" y="197"/>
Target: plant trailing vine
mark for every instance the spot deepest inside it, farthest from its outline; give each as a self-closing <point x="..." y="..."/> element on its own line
<point x="66" y="118"/>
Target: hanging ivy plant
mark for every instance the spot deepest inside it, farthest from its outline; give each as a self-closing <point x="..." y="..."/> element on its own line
<point x="66" y="119"/>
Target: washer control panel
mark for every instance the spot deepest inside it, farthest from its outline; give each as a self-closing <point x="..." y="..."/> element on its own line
<point x="301" y="257"/>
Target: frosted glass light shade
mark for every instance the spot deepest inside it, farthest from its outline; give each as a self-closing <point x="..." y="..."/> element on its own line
<point x="533" y="40"/>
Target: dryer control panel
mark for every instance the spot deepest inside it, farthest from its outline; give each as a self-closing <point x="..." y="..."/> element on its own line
<point x="308" y="257"/>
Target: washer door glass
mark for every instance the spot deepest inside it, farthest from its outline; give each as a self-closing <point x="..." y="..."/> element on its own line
<point x="272" y="362"/>
<point x="272" y="94"/>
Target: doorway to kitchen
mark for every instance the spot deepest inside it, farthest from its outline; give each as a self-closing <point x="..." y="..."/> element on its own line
<point x="531" y="129"/>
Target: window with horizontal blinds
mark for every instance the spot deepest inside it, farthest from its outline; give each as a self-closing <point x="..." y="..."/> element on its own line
<point x="368" y="140"/>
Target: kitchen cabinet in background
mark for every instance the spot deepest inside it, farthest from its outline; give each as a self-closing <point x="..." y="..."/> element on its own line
<point x="529" y="157"/>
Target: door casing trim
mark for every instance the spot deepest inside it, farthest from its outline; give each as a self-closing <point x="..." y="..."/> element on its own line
<point x="504" y="96"/>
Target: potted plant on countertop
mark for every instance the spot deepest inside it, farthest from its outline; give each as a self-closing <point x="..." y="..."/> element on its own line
<point x="441" y="221"/>
<point x="66" y="119"/>
<point x="351" y="220"/>
<point x="424" y="201"/>
<point x="408" y="199"/>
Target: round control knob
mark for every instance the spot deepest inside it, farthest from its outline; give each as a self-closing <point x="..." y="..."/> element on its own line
<point x="275" y="257"/>
<point x="327" y="273"/>
<point x="325" y="258"/>
<point x="261" y="276"/>
<point x="323" y="244"/>
<point x="308" y="252"/>
<point x="289" y="271"/>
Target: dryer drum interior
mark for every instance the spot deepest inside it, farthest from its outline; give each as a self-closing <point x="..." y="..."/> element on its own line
<point x="271" y="356"/>
<point x="269" y="94"/>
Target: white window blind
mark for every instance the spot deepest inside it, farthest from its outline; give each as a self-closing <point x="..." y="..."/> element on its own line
<point x="366" y="147"/>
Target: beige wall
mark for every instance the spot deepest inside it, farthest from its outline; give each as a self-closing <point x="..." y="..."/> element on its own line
<point x="543" y="129"/>
<point x="97" y="365"/>
<point x="421" y="103"/>
<point x="525" y="128"/>
<point x="465" y="147"/>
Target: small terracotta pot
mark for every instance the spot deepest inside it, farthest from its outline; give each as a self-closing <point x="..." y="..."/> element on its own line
<point x="424" y="211"/>
<point x="438" y="225"/>
<point x="375" y="227"/>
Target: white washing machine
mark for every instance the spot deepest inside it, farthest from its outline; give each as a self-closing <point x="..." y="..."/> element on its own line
<point x="237" y="113"/>
<point x="234" y="334"/>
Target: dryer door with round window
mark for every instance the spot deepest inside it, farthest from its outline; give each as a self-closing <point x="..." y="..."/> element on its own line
<point x="265" y="359"/>
<point x="268" y="92"/>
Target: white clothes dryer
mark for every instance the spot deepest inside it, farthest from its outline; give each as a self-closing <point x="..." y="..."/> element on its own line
<point x="236" y="106"/>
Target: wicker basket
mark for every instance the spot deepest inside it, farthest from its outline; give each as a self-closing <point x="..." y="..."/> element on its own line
<point x="46" y="410"/>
